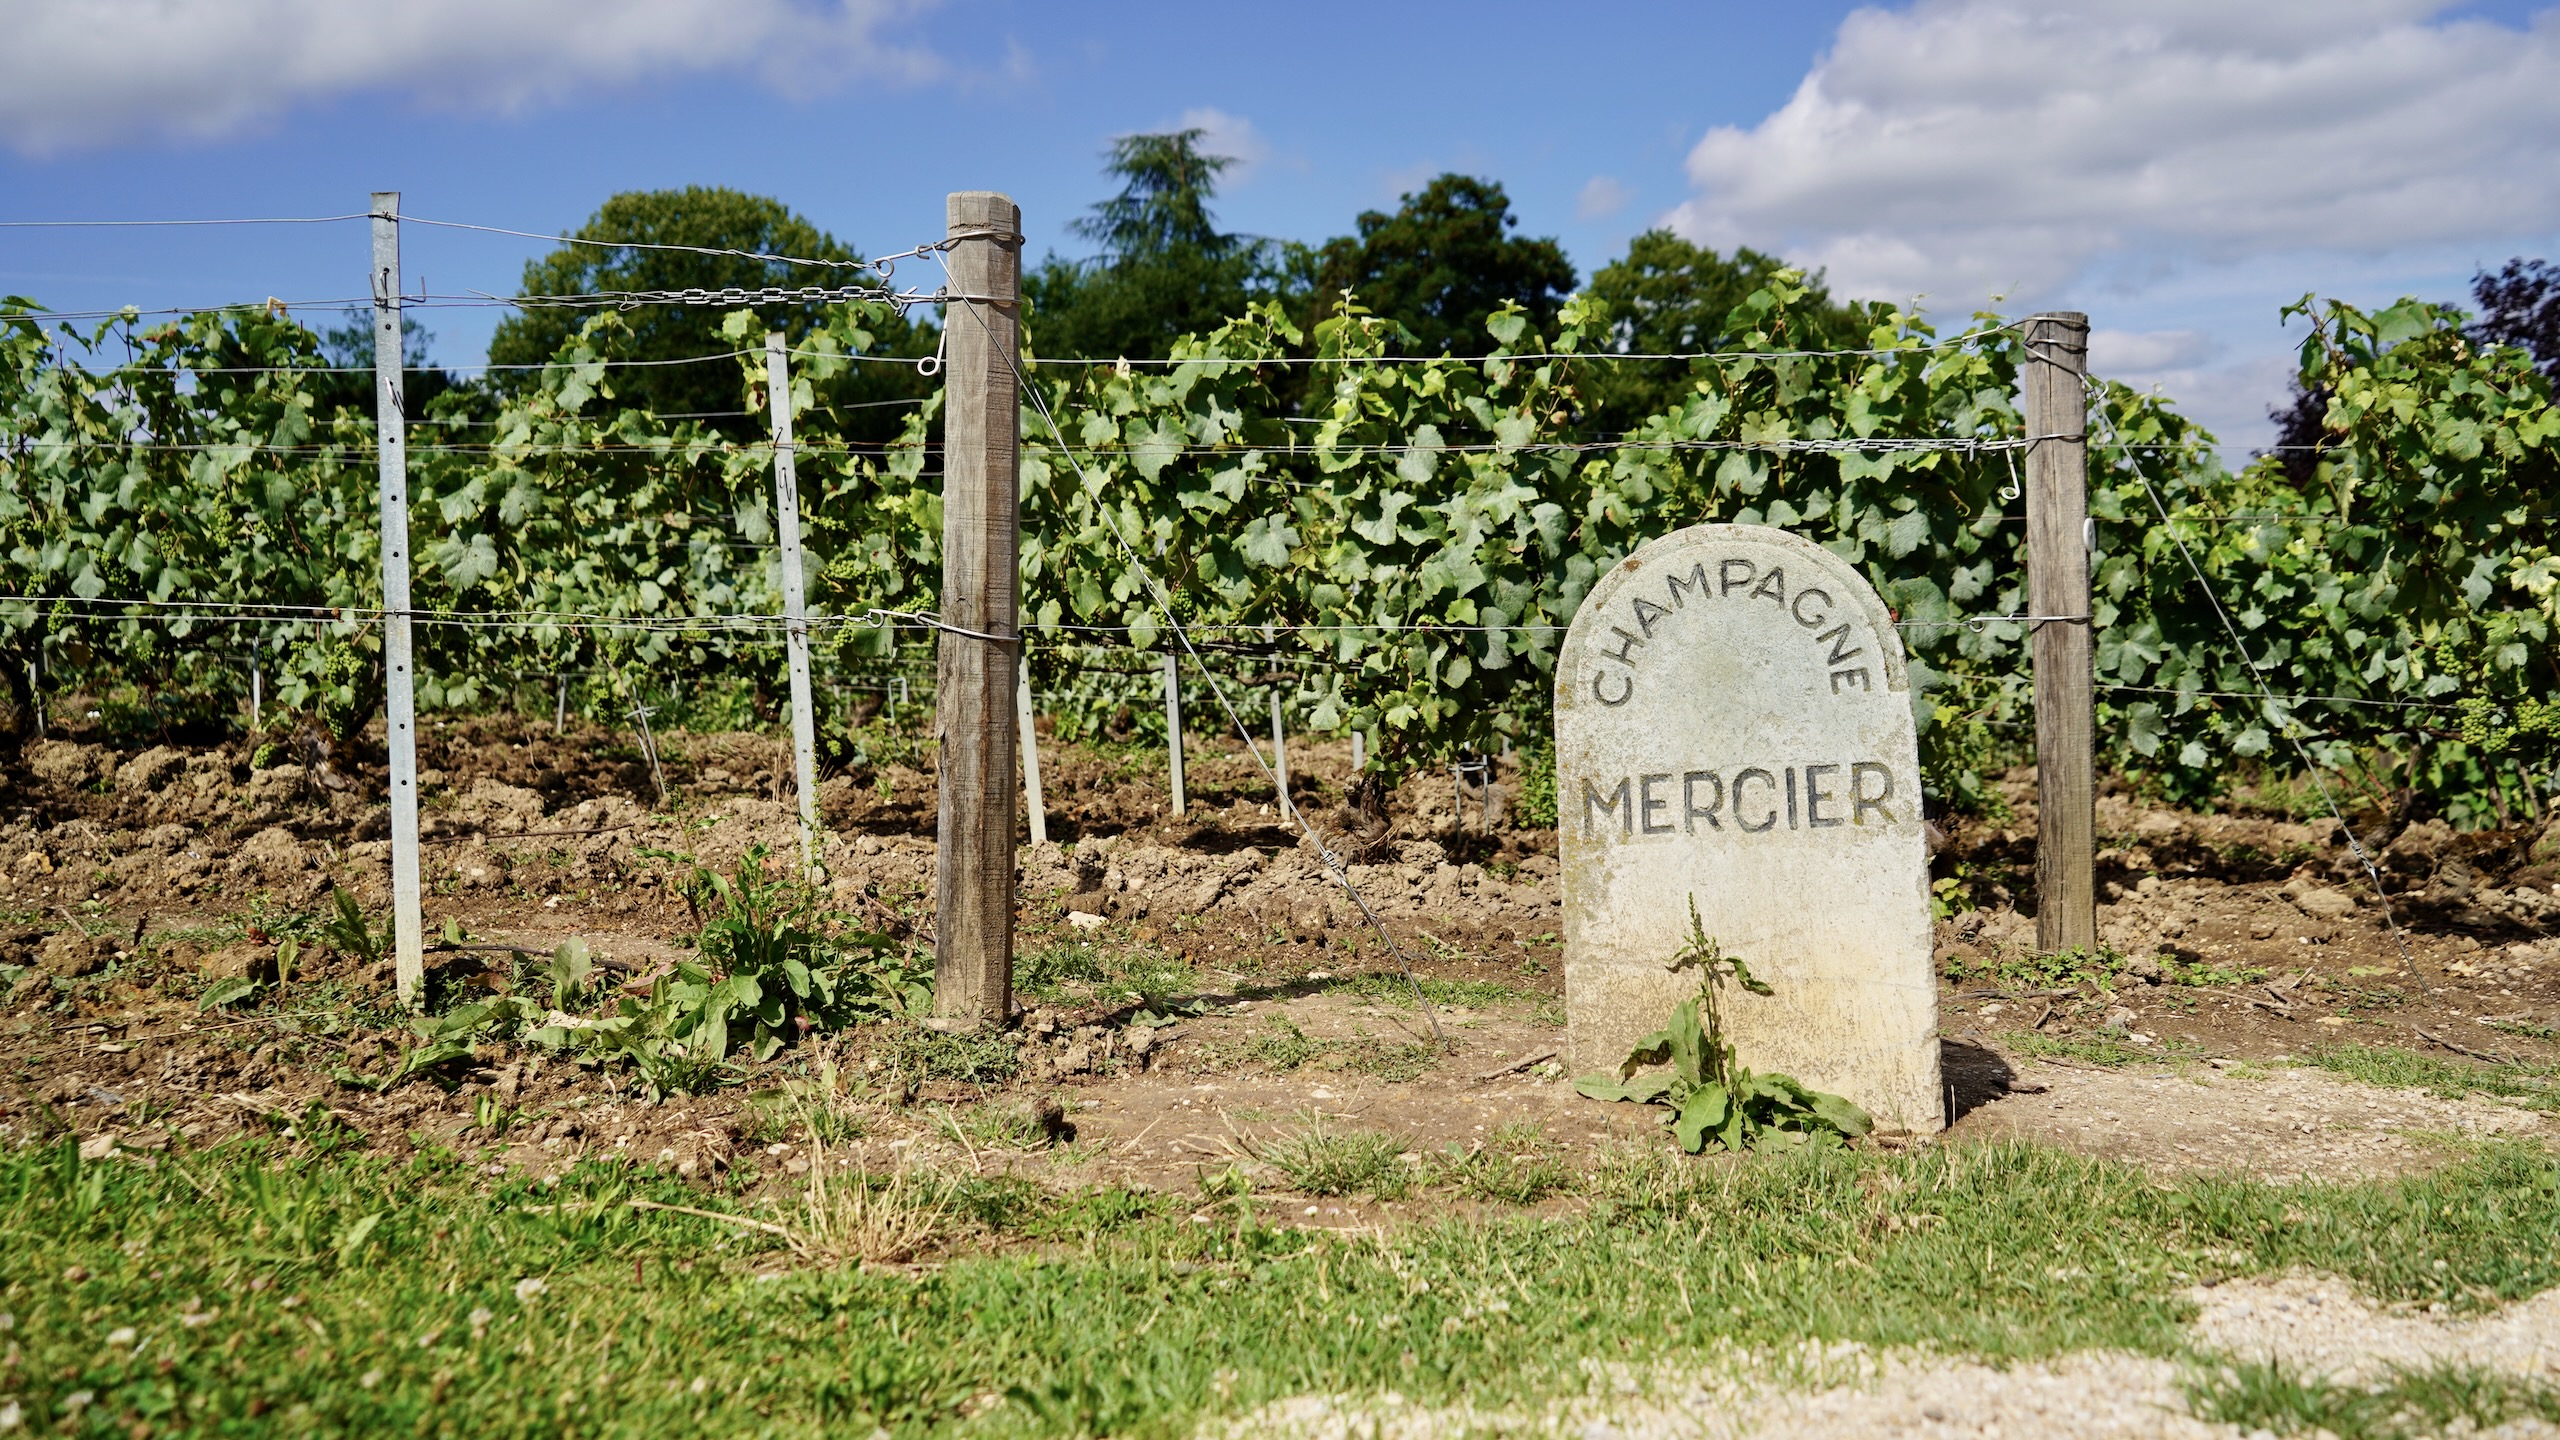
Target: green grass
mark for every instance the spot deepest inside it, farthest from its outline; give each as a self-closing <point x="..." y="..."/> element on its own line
<point x="1045" y="973"/>
<point x="1516" y="1165"/>
<point x="2098" y="1049"/>
<point x="2260" y="1395"/>
<point x="2070" y="969"/>
<point x="1391" y="988"/>
<point x="1282" y="1045"/>
<point x="353" y="1293"/>
<point x="2534" y="1087"/>
<point x="916" y="1055"/>
<point x="1070" y="969"/>
<point x="1317" y="1161"/>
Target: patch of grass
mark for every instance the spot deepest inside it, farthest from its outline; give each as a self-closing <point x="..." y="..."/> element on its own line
<point x="1281" y="1045"/>
<point x="353" y="1293"/>
<point x="2534" y="1087"/>
<point x="1147" y="973"/>
<point x="2262" y="1395"/>
<point x="2099" y="1049"/>
<point x="1005" y="1127"/>
<point x="2063" y="969"/>
<point x="2103" y="967"/>
<point x="2204" y="974"/>
<point x="1317" y="1161"/>
<point x="1398" y="1062"/>
<point x="1046" y="973"/>
<point x="1515" y="1165"/>
<point x="916" y="1055"/>
<point x="1389" y="987"/>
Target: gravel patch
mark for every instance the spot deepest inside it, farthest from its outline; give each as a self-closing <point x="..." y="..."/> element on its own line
<point x="2321" y="1326"/>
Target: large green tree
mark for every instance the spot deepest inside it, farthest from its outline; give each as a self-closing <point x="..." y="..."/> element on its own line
<point x="1667" y="296"/>
<point x="704" y="218"/>
<point x="1165" y="269"/>
<point x="1444" y="263"/>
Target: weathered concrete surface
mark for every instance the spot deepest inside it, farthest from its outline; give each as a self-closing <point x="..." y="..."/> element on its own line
<point x="1733" y="725"/>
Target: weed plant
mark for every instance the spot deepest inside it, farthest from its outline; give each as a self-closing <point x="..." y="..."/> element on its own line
<point x="1317" y="1161"/>
<point x="1515" y="1165"/>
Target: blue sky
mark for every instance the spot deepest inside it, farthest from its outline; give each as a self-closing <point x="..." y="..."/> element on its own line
<point x="2175" y="167"/>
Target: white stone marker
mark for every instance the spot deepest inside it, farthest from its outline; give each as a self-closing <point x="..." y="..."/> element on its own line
<point x="1733" y="723"/>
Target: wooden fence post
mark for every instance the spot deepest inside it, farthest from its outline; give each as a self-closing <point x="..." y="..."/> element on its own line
<point x="399" y="671"/>
<point x="975" y="675"/>
<point x="2057" y="485"/>
<point x="795" y="616"/>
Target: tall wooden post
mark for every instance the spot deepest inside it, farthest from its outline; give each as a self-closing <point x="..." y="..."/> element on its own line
<point x="973" y="948"/>
<point x="795" y="610"/>
<point x="399" y="671"/>
<point x="2057" y="420"/>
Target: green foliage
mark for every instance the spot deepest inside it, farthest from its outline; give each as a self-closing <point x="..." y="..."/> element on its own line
<point x="1317" y="1161"/>
<point x="1165" y="271"/>
<point x="2060" y="969"/>
<point x="917" y="1055"/>
<point x="350" y="934"/>
<point x="710" y="217"/>
<point x="1514" y="1165"/>
<point x="766" y="972"/>
<point x="1708" y="1096"/>
<point x="2534" y="1087"/>
<point x="1443" y="265"/>
<point x="295" y="1253"/>
<point x="1424" y="524"/>
<point x="1667" y="296"/>
<point x="2416" y="567"/>
<point x="2265" y="1396"/>
<point x="1537" y="804"/>
<point x="222" y="994"/>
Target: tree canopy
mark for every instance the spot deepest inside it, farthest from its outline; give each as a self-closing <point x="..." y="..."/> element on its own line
<point x="711" y="218"/>
<point x="1668" y="296"/>
<point x="1444" y="263"/>
<point x="1165" y="270"/>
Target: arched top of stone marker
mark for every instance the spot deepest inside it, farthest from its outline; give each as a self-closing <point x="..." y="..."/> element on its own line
<point x="1635" y="605"/>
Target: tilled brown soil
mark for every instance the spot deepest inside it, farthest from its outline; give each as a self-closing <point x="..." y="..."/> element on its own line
<point x="132" y="878"/>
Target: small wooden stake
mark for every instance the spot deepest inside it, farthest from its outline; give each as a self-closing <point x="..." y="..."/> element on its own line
<point x="975" y="679"/>
<point x="2057" y="486"/>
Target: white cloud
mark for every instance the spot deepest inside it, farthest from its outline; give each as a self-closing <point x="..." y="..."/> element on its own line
<point x="2128" y="352"/>
<point x="1602" y="196"/>
<point x="1230" y="135"/>
<point x="75" y="73"/>
<point x="1966" y="148"/>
